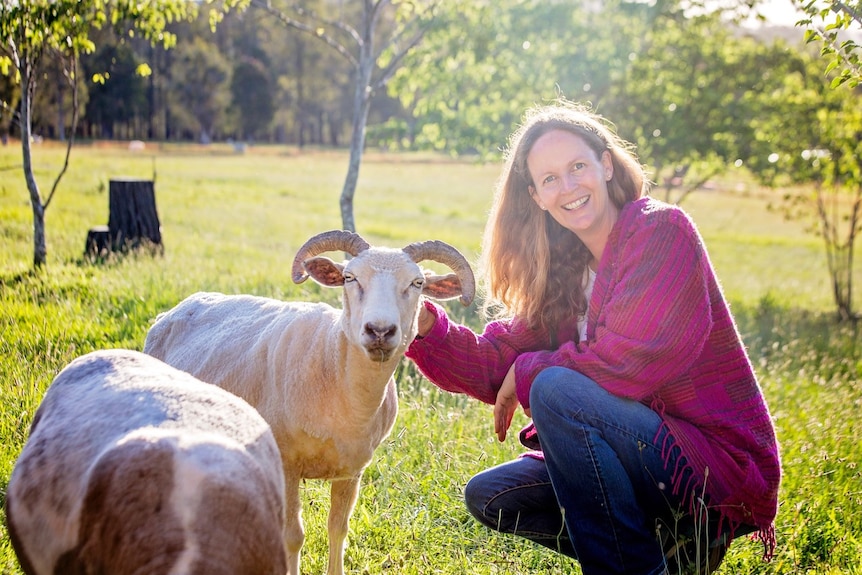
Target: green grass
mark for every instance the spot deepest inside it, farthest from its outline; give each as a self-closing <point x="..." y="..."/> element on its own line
<point x="233" y="222"/>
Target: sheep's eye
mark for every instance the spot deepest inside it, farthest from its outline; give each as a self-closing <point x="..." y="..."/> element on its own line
<point x="419" y="283"/>
<point x="349" y="277"/>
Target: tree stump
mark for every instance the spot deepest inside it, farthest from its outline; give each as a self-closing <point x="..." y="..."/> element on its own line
<point x="133" y="220"/>
<point x="98" y="242"/>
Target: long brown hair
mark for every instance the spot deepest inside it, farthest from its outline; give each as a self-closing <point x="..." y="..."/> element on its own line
<point x="532" y="266"/>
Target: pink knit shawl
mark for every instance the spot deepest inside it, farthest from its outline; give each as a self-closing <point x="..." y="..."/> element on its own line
<point x="660" y="332"/>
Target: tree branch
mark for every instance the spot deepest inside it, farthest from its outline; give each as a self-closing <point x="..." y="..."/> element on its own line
<point x="72" y="75"/>
<point x="691" y="187"/>
<point x="349" y="30"/>
<point x="399" y="56"/>
<point x="13" y="113"/>
<point x="396" y="60"/>
<point x="377" y="10"/>
<point x="849" y="10"/>
<point x="315" y="31"/>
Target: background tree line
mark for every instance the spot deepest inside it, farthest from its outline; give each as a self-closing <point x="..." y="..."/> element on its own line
<point x="247" y="80"/>
<point x="689" y="91"/>
<point x="459" y="91"/>
<point x="697" y="92"/>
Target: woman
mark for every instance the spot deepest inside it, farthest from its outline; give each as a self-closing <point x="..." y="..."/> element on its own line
<point x="652" y="437"/>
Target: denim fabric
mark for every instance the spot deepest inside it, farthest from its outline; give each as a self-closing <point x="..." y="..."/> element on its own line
<point x="517" y="497"/>
<point x="603" y="484"/>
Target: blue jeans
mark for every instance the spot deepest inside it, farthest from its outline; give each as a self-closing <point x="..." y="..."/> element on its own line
<point x="601" y="488"/>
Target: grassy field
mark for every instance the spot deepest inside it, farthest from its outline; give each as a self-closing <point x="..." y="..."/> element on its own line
<point x="232" y="222"/>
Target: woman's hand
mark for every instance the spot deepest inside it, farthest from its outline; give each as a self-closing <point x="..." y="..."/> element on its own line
<point x="425" y="322"/>
<point x="506" y="404"/>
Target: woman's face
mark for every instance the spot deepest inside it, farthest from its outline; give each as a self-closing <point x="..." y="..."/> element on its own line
<point x="571" y="182"/>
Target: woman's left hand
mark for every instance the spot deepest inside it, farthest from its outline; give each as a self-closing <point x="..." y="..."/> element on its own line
<point x="506" y="404"/>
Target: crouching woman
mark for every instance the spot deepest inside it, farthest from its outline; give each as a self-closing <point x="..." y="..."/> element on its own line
<point x="653" y="446"/>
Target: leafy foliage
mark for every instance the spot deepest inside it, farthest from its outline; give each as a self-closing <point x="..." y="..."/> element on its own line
<point x="203" y="84"/>
<point x="483" y="63"/>
<point x="826" y="23"/>
<point x="692" y="113"/>
<point x="252" y="93"/>
<point x="118" y="88"/>
<point x="812" y="149"/>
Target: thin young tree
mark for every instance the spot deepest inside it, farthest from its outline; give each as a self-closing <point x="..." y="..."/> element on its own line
<point x="33" y="30"/>
<point x="809" y="142"/>
<point x="374" y="44"/>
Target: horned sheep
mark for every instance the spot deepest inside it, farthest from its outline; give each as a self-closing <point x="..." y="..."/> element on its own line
<point x="322" y="377"/>
<point x="132" y="466"/>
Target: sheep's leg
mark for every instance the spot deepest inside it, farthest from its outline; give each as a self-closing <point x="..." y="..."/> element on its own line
<point x="294" y="534"/>
<point x="343" y="494"/>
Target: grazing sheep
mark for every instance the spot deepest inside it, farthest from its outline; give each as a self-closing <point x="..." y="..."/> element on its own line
<point x="135" y="467"/>
<point x="321" y="377"/>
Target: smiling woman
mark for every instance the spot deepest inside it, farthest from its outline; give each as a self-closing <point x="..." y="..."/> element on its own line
<point x="571" y="184"/>
<point x="635" y="366"/>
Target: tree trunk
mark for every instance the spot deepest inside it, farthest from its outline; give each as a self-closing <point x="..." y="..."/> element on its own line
<point x="361" y="104"/>
<point x="299" y="62"/>
<point x="40" y="251"/>
<point x="133" y="219"/>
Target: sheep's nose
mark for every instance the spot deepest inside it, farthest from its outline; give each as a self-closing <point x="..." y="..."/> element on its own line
<point x="380" y="332"/>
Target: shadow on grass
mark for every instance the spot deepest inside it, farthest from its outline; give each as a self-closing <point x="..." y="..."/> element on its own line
<point x="14" y="279"/>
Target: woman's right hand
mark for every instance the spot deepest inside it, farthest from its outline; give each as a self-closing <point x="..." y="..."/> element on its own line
<point x="506" y="404"/>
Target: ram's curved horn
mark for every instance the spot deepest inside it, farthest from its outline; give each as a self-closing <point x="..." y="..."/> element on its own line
<point x="438" y="251"/>
<point x="334" y="240"/>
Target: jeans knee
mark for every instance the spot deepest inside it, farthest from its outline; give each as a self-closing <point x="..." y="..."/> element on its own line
<point x="476" y="499"/>
<point x="471" y="495"/>
<point x="545" y="390"/>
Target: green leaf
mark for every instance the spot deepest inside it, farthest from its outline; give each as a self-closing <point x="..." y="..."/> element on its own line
<point x="836" y="82"/>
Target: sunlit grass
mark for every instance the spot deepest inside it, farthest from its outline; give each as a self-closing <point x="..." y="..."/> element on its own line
<point x="232" y="222"/>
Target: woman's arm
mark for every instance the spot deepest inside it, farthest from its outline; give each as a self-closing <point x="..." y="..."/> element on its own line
<point x="458" y="360"/>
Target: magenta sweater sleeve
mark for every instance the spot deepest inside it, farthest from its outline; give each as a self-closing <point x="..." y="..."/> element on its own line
<point x="649" y="314"/>
<point x="456" y="359"/>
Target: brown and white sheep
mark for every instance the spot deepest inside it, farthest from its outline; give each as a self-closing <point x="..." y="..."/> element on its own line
<point x="135" y="467"/>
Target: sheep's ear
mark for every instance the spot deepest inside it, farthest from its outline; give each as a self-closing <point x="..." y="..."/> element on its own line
<point x="325" y="271"/>
<point x="442" y="287"/>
